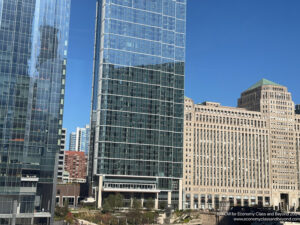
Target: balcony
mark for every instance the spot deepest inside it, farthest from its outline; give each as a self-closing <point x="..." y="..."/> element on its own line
<point x="129" y="187"/>
<point x="28" y="178"/>
<point x="27" y="215"/>
<point x="27" y="189"/>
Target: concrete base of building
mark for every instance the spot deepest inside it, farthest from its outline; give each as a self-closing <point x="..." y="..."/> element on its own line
<point x="26" y="218"/>
<point x="218" y="201"/>
<point x="142" y="192"/>
<point x="286" y="201"/>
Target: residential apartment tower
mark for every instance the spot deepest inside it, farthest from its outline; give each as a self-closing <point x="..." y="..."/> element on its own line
<point x="79" y="140"/>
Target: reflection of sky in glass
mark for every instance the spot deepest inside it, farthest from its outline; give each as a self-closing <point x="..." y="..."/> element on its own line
<point x="142" y="29"/>
<point x="32" y="79"/>
<point x="1" y="8"/>
<point x="34" y="41"/>
<point x="140" y="116"/>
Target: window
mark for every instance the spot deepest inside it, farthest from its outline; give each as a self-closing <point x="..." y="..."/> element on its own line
<point x="57" y="200"/>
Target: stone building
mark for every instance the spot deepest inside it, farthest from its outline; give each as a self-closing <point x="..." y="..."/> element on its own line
<point x="246" y="155"/>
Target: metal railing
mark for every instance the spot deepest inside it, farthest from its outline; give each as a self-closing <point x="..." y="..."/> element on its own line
<point x="129" y="186"/>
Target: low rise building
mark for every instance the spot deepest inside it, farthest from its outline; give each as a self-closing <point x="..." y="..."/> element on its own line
<point x="70" y="194"/>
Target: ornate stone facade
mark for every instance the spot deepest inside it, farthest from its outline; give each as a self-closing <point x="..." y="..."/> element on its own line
<point x="246" y="155"/>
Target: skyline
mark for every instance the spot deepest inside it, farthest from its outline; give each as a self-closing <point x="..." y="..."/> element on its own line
<point x="158" y="128"/>
<point x="237" y="40"/>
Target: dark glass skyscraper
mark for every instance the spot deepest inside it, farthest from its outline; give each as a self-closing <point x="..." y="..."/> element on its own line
<point x="33" y="49"/>
<point x="137" y="103"/>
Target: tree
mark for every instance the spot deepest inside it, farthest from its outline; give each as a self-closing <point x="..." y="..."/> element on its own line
<point x="149" y="217"/>
<point x="134" y="217"/>
<point x="163" y="205"/>
<point x="136" y="204"/>
<point x="61" y="212"/>
<point x="112" y="202"/>
<point x="149" y="204"/>
<point x="107" y="206"/>
<point x="69" y="218"/>
<point x="119" y="200"/>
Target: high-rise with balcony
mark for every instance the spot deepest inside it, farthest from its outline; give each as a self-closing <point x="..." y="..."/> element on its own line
<point x="33" y="48"/>
<point x="137" y="100"/>
<point x="61" y="155"/>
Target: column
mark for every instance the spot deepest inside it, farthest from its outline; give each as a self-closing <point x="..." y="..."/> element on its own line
<point x="100" y="192"/>
<point x="296" y="204"/>
<point x="142" y="200"/>
<point x="192" y="201"/>
<point x="15" y="204"/>
<point x="180" y="195"/>
<point x="156" y="201"/>
<point x="169" y="198"/>
<point x="131" y="200"/>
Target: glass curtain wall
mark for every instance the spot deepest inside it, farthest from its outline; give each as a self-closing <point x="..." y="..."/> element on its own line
<point x="33" y="49"/>
<point x="138" y="90"/>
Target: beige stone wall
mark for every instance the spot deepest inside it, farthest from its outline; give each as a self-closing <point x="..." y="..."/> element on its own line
<point x="226" y="155"/>
<point x="248" y="155"/>
<point x="297" y="146"/>
<point x="276" y="105"/>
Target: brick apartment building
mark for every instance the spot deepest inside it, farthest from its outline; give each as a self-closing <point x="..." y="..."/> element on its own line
<point x="76" y="166"/>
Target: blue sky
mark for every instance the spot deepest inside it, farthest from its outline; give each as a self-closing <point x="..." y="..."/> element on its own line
<point x="231" y="44"/>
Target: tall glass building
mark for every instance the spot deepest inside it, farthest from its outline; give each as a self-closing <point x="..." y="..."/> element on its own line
<point x="72" y="141"/>
<point x="137" y="100"/>
<point x="33" y="49"/>
<point x="79" y="140"/>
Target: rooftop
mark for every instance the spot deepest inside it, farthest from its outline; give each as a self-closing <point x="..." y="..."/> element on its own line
<point x="74" y="153"/>
<point x="261" y="83"/>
